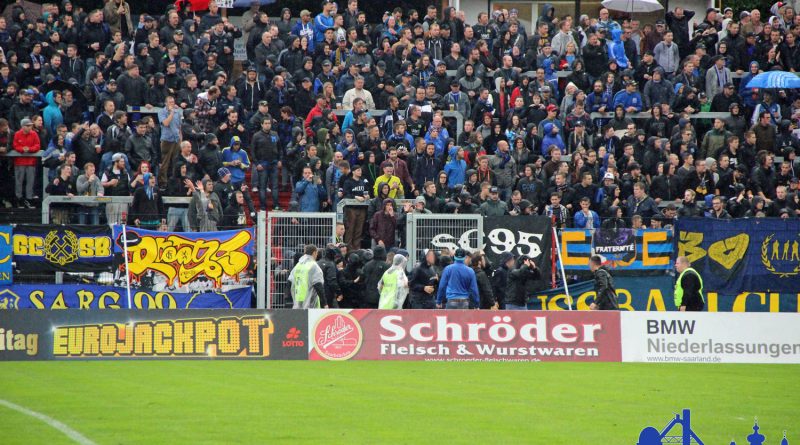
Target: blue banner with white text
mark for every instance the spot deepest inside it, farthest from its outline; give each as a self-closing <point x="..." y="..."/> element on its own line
<point x="732" y="256"/>
<point x="81" y="296"/>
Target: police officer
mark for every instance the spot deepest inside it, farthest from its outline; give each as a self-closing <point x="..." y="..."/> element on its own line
<point x="307" y="281"/>
<point x="688" y="287"/>
<point x="605" y="295"/>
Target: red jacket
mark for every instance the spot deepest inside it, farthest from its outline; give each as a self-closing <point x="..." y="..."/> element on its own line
<point x="30" y="140"/>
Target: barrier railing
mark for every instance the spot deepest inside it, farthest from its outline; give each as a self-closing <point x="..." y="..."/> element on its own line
<point x="53" y="199"/>
<point x="446" y="113"/>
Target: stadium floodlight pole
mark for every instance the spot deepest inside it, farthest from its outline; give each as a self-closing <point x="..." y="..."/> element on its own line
<point x="561" y="266"/>
<point x="127" y="270"/>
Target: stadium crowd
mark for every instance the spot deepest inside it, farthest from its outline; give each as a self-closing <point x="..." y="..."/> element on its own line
<point x="118" y="104"/>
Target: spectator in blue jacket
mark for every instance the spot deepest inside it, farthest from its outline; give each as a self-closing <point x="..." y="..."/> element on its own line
<point x="310" y="191"/>
<point x="236" y="160"/>
<point x="551" y="137"/>
<point x="323" y="21"/>
<point x="456" y="168"/>
<point x="586" y="218"/>
<point x="629" y="98"/>
<point x="458" y="285"/>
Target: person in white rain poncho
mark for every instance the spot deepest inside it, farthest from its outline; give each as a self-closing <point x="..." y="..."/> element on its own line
<point x="394" y="285"/>
<point x="307" y="281"/>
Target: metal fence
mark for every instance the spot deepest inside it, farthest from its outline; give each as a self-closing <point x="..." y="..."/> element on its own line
<point x="287" y="234"/>
<point x="440" y="231"/>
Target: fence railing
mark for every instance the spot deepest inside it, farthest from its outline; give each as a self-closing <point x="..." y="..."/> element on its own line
<point x="53" y="199"/>
<point x="286" y="234"/>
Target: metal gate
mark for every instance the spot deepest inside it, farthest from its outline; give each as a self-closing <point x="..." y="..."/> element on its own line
<point x="437" y="231"/>
<point x="287" y="234"/>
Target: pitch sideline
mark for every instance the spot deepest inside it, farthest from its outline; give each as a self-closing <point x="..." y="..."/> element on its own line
<point x="60" y="426"/>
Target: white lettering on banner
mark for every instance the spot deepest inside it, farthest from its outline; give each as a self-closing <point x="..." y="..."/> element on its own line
<point x="708" y="338"/>
<point x="504" y="240"/>
<point x="501" y="331"/>
<point x="448" y="241"/>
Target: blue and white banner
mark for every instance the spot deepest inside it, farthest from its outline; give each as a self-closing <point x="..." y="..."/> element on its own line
<point x="62" y="248"/>
<point x="72" y="296"/>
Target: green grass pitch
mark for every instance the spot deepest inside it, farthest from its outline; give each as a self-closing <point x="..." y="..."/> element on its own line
<point x="248" y="402"/>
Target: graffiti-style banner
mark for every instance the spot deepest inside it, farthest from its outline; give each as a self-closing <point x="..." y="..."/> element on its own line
<point x="6" y="256"/>
<point x="743" y="254"/>
<point x="62" y="248"/>
<point x="362" y="334"/>
<point x="163" y="260"/>
<point x="655" y="293"/>
<point x="149" y="334"/>
<point x="637" y="251"/>
<point x="80" y="296"/>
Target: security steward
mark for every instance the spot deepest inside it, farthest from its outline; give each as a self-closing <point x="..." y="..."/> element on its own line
<point x="688" y="287"/>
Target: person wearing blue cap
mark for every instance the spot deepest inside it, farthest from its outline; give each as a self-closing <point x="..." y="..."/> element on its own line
<point x="236" y="160"/>
<point x="458" y="285"/>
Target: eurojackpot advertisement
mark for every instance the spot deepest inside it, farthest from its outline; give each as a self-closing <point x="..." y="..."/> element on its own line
<point x="155" y="334"/>
<point x="464" y="335"/>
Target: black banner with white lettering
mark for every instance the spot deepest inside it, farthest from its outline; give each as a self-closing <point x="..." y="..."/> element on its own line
<point x="520" y="235"/>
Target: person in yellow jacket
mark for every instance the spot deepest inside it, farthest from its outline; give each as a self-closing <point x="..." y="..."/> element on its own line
<point x="307" y="281"/>
<point x="395" y="185"/>
<point x="688" y="287"/>
<point x="393" y="285"/>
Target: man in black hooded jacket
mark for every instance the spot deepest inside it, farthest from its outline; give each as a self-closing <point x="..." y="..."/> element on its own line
<point x="423" y="282"/>
<point x="373" y="272"/>
<point x="333" y="293"/>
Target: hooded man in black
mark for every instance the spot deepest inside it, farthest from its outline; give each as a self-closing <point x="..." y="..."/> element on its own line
<point x="373" y="271"/>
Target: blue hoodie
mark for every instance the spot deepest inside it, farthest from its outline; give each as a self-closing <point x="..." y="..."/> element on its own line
<point x="456" y="169"/>
<point x="551" y="139"/>
<point x="229" y="155"/>
<point x="616" y="49"/>
<point x="52" y="114"/>
<point x="458" y="281"/>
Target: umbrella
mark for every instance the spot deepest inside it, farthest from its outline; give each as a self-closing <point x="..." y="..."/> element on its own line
<point x="60" y="85"/>
<point x="775" y="79"/>
<point x="633" y="5"/>
<point x="248" y="3"/>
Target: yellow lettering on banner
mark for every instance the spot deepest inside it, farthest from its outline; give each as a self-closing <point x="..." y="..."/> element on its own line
<point x="229" y="337"/>
<point x="91" y="340"/>
<point x="142" y="338"/>
<point x="582" y="304"/>
<point x="183" y="259"/>
<point x="552" y="304"/>
<point x="94" y="247"/>
<point x="627" y="304"/>
<point x="740" y="302"/>
<point x="60" y="341"/>
<point x="656" y="299"/>
<point x="689" y="245"/>
<point x="59" y="302"/>
<point x="206" y="331"/>
<point x="162" y="342"/>
<point x="75" y="341"/>
<point x="5" y="236"/>
<point x="183" y="338"/>
<point x="578" y="237"/>
<point x="108" y="339"/>
<point x="254" y="327"/>
<point x="170" y="300"/>
<point x="36" y="298"/>
<point x="125" y="333"/>
<point x="653" y="237"/>
<point x="113" y="296"/>
<point x="85" y="299"/>
<point x="774" y="302"/>
<point x="712" y="302"/>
